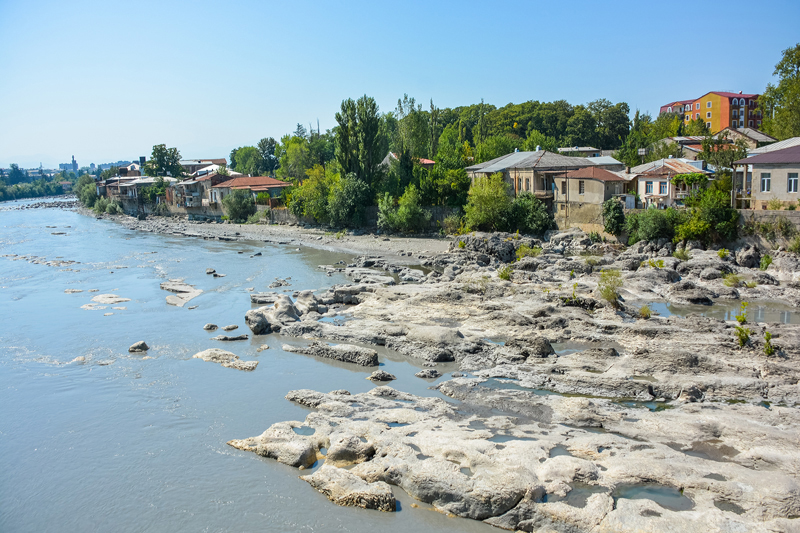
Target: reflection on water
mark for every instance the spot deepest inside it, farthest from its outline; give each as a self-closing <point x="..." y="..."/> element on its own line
<point x="135" y="442"/>
<point x="768" y="312"/>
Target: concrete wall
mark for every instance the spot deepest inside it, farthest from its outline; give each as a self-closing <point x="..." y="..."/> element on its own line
<point x="769" y="216"/>
<point x="779" y="176"/>
<point x="284" y="216"/>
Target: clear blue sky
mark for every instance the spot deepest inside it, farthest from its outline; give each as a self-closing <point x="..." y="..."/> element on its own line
<point x="107" y="80"/>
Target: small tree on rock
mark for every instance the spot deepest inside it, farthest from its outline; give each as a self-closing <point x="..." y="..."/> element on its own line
<point x="613" y="217"/>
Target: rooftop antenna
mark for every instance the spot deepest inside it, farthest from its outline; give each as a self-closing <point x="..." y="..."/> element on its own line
<point x="538" y="147"/>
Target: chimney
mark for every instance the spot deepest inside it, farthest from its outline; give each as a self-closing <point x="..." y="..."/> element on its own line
<point x="627" y="169"/>
<point x="740" y="92"/>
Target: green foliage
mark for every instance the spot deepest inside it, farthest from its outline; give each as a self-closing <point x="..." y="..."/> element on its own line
<point x="741" y="318"/>
<point x="731" y="280"/>
<point x="774" y="205"/>
<point x="769" y="349"/>
<point x="151" y="193"/>
<point x="720" y="152"/>
<point x="407" y="216"/>
<point x="348" y="197"/>
<point x="312" y="196"/>
<point x="248" y="160"/>
<point x="164" y="162"/>
<point x="780" y="104"/>
<point x="358" y="145"/>
<point x="592" y="262"/>
<point x="529" y="215"/>
<point x="691" y="179"/>
<point x="711" y="219"/>
<point x="723" y="253"/>
<point x="488" y="204"/>
<point x="645" y="312"/>
<point x="595" y="237"/>
<point x="682" y="254"/>
<point x="751" y="284"/>
<point x="609" y="285"/>
<point x="653" y="224"/>
<point x="262" y="198"/>
<point x="451" y="225"/>
<point x="86" y="190"/>
<point x="505" y="272"/>
<point x="766" y="261"/>
<point x="462" y="244"/>
<point x="113" y="208"/>
<point x="528" y="251"/>
<point x="239" y="205"/>
<point x="100" y="205"/>
<point x="794" y="245"/>
<point x="613" y="217"/>
<point x="743" y="335"/>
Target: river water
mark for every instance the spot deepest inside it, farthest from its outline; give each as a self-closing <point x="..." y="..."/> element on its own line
<point x="123" y="443"/>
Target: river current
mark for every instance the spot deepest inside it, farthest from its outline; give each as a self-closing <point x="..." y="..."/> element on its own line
<point x="126" y="443"/>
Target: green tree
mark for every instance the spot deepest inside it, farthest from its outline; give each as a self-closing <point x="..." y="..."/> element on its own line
<point x="239" y="205"/>
<point x="696" y="127"/>
<point x="720" y="152"/>
<point x="612" y="122"/>
<point x="16" y="175"/>
<point x="780" y="104"/>
<point x="266" y="149"/>
<point x="537" y="138"/>
<point x="711" y="219"/>
<point x="529" y="215"/>
<point x="613" y="216"/>
<point x="248" y="161"/>
<point x="358" y="141"/>
<point x="164" y="162"/>
<point x="294" y="158"/>
<point x="488" y="204"/>
<point x="311" y="197"/>
<point x="86" y="190"/>
<point x="581" y="128"/>
<point x="348" y="198"/>
<point x="151" y="193"/>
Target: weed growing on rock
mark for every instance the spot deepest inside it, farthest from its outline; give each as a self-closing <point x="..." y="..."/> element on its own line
<point x="462" y="244"/>
<point x="609" y="285"/>
<point x="723" y="253"/>
<point x="774" y="205"/>
<point x="595" y="237"/>
<point x="741" y="318"/>
<point x="653" y="263"/>
<point x="794" y="246"/>
<point x="766" y="261"/>
<point x="645" y="312"/>
<point x="571" y="274"/>
<point x="742" y="335"/>
<point x="751" y="284"/>
<point x="681" y="254"/>
<point x="731" y="280"/>
<point x="505" y="273"/>
<point x="592" y="262"/>
<point x="528" y="251"/>
<point x="769" y="349"/>
<point x="340" y="234"/>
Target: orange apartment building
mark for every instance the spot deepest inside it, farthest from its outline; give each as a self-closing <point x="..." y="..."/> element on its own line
<point x="719" y="110"/>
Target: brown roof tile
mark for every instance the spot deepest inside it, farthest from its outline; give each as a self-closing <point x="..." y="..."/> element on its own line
<point x="594" y="173"/>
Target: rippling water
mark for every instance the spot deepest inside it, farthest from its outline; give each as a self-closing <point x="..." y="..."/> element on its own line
<point x="123" y="443"/>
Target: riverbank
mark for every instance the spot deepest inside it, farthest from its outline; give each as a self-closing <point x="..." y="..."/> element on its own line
<point x="406" y="250"/>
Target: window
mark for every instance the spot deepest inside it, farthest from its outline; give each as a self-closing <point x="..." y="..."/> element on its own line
<point x="708" y="114"/>
<point x="527" y="184"/>
<point x="766" y="184"/>
<point x="759" y="122"/>
<point x="564" y="187"/>
<point x="735" y="101"/>
<point x="751" y="103"/>
<point x="750" y="113"/>
<point x="697" y="115"/>
<point x="688" y="117"/>
<point x="697" y="105"/>
<point x="648" y="187"/>
<point x="708" y="125"/>
<point x="669" y="110"/>
<point x="750" y="123"/>
<point x="708" y="104"/>
<point x="741" y="123"/>
<point x="735" y="113"/>
<point x="519" y="184"/>
<point x="562" y="207"/>
<point x="792" y="182"/>
<point x="662" y="187"/>
<point x="581" y="186"/>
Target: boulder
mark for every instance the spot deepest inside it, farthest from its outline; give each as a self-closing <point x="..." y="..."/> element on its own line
<point x="381" y="375"/>
<point x="344" y="488"/>
<point x="230" y="328"/>
<point x="428" y="373"/>
<point x="226" y="359"/>
<point x="210" y="327"/>
<point x="748" y="257"/>
<point x="346" y="449"/>
<point x="347" y="353"/>
<point x="271" y="319"/>
<point x="306" y="302"/>
<point x="230" y="338"/>
<point x="281" y="443"/>
<point x="139" y="347"/>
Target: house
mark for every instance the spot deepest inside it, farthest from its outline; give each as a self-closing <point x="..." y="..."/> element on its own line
<point x="195" y="192"/>
<point x="254" y="184"/>
<point x="532" y="172"/>
<point x="424" y="163"/>
<point x="775" y="176"/>
<point x="579" y="195"/>
<point x="720" y="110"/>
<point x="193" y="165"/>
<point x="213" y="169"/>
<point x="66" y="186"/>
<point x="780" y="145"/>
<point x="581" y="151"/>
<point x="607" y="162"/>
<point x="751" y="137"/>
<point x="131" y="189"/>
<point x="655" y="185"/>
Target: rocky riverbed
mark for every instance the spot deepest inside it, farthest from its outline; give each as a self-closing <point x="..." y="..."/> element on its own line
<point x="568" y="413"/>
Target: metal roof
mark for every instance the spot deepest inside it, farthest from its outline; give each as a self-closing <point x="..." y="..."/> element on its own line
<point x="789" y="155"/>
<point x="678" y="166"/>
<point x="247" y="182"/>
<point x="540" y="160"/>
<point x="579" y="149"/>
<point x="780" y="145"/>
<point x="603" y="160"/>
<point x="594" y="173"/>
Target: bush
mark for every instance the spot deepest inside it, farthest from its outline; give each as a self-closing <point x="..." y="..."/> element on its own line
<point x="751" y="284"/>
<point x="101" y="204"/>
<point x="766" y="261"/>
<point x="489" y="204"/>
<point x="528" y="251"/>
<point x="609" y="285"/>
<point x="114" y="208"/>
<point x="529" y="215"/>
<point x="311" y="198"/>
<point x="86" y="191"/>
<point x="451" y="225"/>
<point x="794" y="245"/>
<point x="505" y="273"/>
<point x="257" y="217"/>
<point x="774" y="205"/>
<point x="262" y="198"/>
<point x="711" y="219"/>
<point x="769" y="349"/>
<point x="652" y="224"/>
<point x="743" y="335"/>
<point x="731" y="280"/>
<point x="348" y="198"/>
<point x="723" y="253"/>
<point x="239" y="205"/>
<point x="645" y="312"/>
<point x="681" y="254"/>
<point x="613" y="216"/>
<point x="411" y="217"/>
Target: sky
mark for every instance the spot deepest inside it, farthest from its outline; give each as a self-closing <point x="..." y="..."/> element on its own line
<point x="105" y="80"/>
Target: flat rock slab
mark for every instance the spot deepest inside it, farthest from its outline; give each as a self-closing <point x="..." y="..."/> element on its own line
<point x="347" y="353"/>
<point x="109" y="299"/>
<point x="183" y="292"/>
<point x="343" y="488"/>
<point x="226" y="359"/>
<point x="230" y="338"/>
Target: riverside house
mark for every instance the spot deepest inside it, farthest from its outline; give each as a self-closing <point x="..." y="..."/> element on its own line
<point x="655" y="181"/>
<point x="775" y="177"/>
<point x="254" y="184"/>
<point x="579" y="196"/>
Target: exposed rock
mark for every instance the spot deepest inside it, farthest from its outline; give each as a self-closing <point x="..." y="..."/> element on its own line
<point x="183" y="292"/>
<point x="343" y="488"/>
<point x="109" y="299"/>
<point x="271" y="319"/>
<point x="139" y="347"/>
<point x="230" y="338"/>
<point x="210" y="271"/>
<point x="748" y="257"/>
<point x="381" y="375"/>
<point x="226" y="359"/>
<point x="230" y="328"/>
<point x="428" y="373"/>
<point x="262" y="348"/>
<point x="347" y="353"/>
<point x="210" y="327"/>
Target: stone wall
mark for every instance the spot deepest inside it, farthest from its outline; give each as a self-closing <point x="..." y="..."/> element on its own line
<point x="284" y="216"/>
<point x="768" y="216"/>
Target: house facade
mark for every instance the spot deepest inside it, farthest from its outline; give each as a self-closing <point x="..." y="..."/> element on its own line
<point x="654" y="182"/>
<point x="775" y="177"/>
<point x="580" y="151"/>
<point x="254" y="184"/>
<point x="579" y="195"/>
<point x="719" y="110"/>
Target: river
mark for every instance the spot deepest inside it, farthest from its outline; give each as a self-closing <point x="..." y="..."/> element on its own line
<point x="126" y="443"/>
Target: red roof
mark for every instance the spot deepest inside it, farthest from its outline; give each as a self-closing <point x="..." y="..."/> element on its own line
<point x="248" y="182"/>
<point x="733" y="95"/>
<point x="594" y="173"/>
<point x="423" y="161"/>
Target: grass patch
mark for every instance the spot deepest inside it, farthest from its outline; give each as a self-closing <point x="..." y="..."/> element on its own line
<point x="681" y="254"/>
<point x="505" y="273"/>
<point x="751" y="284"/>
<point x="645" y="312"/>
<point x="723" y="253"/>
<point x="731" y="280"/>
<point x="766" y="261"/>
<point x="609" y="285"/>
<point x="528" y="251"/>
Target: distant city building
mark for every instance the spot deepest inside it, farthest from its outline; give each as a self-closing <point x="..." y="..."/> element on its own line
<point x="92" y="167"/>
<point x="719" y="110"/>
